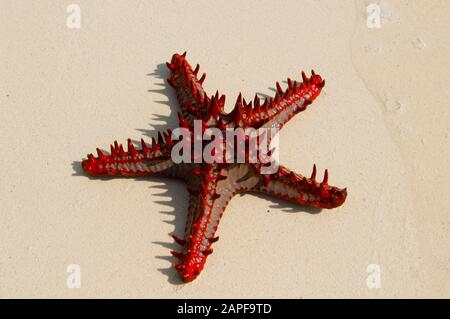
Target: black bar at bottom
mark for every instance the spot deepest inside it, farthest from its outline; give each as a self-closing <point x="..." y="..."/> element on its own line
<point x="222" y="308"/>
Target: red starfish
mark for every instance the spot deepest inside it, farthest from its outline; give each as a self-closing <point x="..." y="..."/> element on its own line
<point x="212" y="185"/>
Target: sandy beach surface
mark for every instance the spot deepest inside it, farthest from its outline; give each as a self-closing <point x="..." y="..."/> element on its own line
<point x="381" y="127"/>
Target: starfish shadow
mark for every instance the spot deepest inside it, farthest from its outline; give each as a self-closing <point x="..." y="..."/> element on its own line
<point x="163" y="121"/>
<point x="284" y="206"/>
<point x="78" y="169"/>
<point x="177" y="206"/>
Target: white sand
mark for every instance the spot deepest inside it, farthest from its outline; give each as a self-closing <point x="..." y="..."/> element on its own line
<point x="380" y="127"/>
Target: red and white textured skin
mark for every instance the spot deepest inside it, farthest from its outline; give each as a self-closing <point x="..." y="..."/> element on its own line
<point x="211" y="186"/>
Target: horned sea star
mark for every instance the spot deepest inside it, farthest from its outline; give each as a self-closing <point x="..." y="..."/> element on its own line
<point x="212" y="185"/>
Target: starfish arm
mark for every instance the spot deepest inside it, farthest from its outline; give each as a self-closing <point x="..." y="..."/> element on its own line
<point x="148" y="160"/>
<point x="189" y="90"/>
<point x="209" y="195"/>
<point x="276" y="111"/>
<point x="290" y="186"/>
<point x="286" y="105"/>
